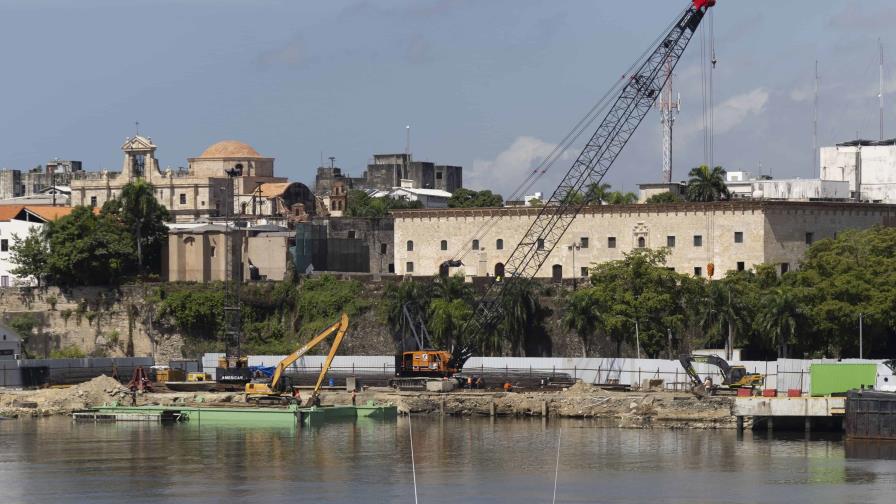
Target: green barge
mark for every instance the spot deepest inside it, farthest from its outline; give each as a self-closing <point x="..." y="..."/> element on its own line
<point x="237" y="416"/>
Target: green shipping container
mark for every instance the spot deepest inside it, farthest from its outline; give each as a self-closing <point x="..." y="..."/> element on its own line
<point x="830" y="379"/>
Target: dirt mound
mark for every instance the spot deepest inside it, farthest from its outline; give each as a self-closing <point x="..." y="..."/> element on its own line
<point x="583" y="389"/>
<point x="95" y="392"/>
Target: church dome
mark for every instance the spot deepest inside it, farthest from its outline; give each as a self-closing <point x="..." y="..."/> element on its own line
<point x="230" y="149"/>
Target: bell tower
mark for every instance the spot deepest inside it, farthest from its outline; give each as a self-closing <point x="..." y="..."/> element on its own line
<point x="139" y="159"/>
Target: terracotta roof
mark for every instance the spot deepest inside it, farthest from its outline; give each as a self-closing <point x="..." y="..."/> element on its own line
<point x="230" y="149"/>
<point x="50" y="213"/>
<point x="273" y="189"/>
<point x="45" y="212"/>
<point x="8" y="212"/>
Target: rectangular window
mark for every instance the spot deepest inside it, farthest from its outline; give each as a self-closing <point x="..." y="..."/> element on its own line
<point x="738" y="237"/>
<point x="810" y="237"/>
<point x="475" y="244"/>
<point x="540" y="244"/>
<point x="698" y="241"/>
<point x="391" y="268"/>
<point x="584" y="271"/>
<point x="438" y="175"/>
<point x="4" y="282"/>
<point x="741" y="266"/>
<point x="583" y="242"/>
<point x="409" y="267"/>
<point x="499" y="244"/>
<point x="351" y="235"/>
<point x="383" y="248"/>
<point x="698" y="271"/>
<point x="183" y="199"/>
<point x="611" y="242"/>
<point x="4" y="245"/>
<point x="93" y="201"/>
<point x="785" y="267"/>
<point x="670" y="241"/>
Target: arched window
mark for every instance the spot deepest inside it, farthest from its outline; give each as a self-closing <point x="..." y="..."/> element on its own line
<point x="499" y="270"/>
<point x="475" y="244"/>
<point x="557" y="273"/>
<point x="238" y="168"/>
<point x="410" y="246"/>
<point x="444" y="245"/>
<point x="499" y="244"/>
<point x="641" y="242"/>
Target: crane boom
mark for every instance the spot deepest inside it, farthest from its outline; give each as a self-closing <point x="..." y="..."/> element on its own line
<point x="637" y="97"/>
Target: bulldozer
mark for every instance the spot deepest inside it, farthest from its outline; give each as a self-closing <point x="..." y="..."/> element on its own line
<point x="733" y="377"/>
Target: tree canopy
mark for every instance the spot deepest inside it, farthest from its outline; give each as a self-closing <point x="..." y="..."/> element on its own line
<point x="360" y="204"/>
<point x="664" y="198"/>
<point x="468" y="198"/>
<point x="89" y="248"/>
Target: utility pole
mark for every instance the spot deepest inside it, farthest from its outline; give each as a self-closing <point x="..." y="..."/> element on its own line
<point x="861" y="316"/>
<point x="637" y="340"/>
<point x="669" y="109"/>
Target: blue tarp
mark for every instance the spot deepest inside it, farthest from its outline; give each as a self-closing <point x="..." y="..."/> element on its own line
<point x="268" y="371"/>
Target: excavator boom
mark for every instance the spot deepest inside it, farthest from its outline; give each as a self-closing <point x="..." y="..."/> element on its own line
<point x="274" y="386"/>
<point x="343" y="326"/>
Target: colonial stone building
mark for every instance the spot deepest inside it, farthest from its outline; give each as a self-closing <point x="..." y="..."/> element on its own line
<point x="215" y="252"/>
<point x="215" y="183"/>
<point x="732" y="235"/>
<point x="389" y="171"/>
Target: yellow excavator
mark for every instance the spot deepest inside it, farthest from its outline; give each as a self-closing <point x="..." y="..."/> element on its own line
<point x="276" y="389"/>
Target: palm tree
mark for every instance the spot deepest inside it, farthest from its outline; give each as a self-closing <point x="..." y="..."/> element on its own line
<point x="446" y="319"/>
<point x="621" y="198"/>
<point x="707" y="185"/>
<point x="725" y="312"/>
<point x="778" y="318"/>
<point x="520" y="311"/>
<point x="582" y="315"/>
<point x="140" y="210"/>
<point x="597" y="193"/>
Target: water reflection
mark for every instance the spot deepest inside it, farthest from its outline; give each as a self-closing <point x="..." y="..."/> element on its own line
<point x="459" y="460"/>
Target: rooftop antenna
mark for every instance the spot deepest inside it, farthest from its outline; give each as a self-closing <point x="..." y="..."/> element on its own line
<point x="815" y="164"/>
<point x="332" y="161"/>
<point x="880" y="96"/>
<point x="407" y="144"/>
<point x="669" y="109"/>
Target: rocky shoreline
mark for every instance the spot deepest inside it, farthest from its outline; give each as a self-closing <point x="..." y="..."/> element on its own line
<point x="641" y="410"/>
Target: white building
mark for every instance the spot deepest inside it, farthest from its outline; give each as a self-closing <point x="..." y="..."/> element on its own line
<point x="10" y="343"/>
<point x="430" y="198"/>
<point x="743" y="184"/>
<point x="17" y="221"/>
<point x="868" y="166"/>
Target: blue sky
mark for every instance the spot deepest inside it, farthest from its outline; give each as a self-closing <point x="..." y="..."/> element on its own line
<point x="490" y="85"/>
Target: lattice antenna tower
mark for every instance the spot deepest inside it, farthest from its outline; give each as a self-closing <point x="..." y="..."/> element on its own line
<point x="670" y="106"/>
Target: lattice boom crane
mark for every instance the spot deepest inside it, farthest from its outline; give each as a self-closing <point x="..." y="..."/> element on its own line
<point x="637" y="97"/>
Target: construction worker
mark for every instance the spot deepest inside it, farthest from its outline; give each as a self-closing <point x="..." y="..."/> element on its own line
<point x="508" y="387"/>
<point x="354" y="397"/>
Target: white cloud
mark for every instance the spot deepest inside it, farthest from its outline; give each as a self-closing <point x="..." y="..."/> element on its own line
<point x="732" y="112"/>
<point x="512" y="166"/>
<point x="803" y="93"/>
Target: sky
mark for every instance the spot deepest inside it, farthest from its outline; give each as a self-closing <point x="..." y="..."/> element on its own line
<point x="491" y="85"/>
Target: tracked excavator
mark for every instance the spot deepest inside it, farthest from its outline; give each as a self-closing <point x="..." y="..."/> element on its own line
<point x="635" y="95"/>
<point x="733" y="377"/>
<point x="278" y="389"/>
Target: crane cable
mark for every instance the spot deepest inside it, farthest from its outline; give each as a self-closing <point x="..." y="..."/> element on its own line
<point x="561" y="148"/>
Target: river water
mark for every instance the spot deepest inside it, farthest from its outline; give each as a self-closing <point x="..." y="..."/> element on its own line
<point x="458" y="460"/>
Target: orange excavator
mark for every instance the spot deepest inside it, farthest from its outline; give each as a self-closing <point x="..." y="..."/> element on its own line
<point x="277" y="389"/>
